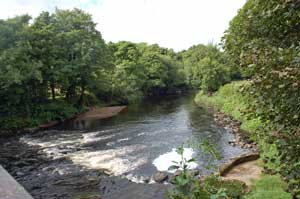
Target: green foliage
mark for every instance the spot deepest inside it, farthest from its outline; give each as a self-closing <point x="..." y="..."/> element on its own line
<point x="269" y="187"/>
<point x="59" y="55"/>
<point x="143" y="70"/>
<point x="232" y="189"/>
<point x="228" y="99"/>
<point x="270" y="157"/>
<point x="264" y="40"/>
<point x="56" y="110"/>
<point x="206" y="67"/>
<point x="231" y="100"/>
<point x="63" y="56"/>
<point x="188" y="186"/>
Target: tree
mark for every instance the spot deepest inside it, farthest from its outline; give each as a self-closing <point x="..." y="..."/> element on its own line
<point x="206" y="67"/>
<point x="263" y="39"/>
<point x="128" y="75"/>
<point x="62" y="52"/>
<point x="83" y="54"/>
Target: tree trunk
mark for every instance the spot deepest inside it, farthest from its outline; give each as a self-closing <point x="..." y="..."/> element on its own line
<point x="52" y="90"/>
<point x="70" y="93"/>
<point x="81" y="94"/>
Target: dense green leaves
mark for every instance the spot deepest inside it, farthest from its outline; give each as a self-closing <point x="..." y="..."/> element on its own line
<point x="61" y="54"/>
<point x="206" y="67"/>
<point x="264" y="39"/>
<point x="143" y="70"/>
<point x="61" y="58"/>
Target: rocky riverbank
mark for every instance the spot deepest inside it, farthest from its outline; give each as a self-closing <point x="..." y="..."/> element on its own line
<point x="241" y="138"/>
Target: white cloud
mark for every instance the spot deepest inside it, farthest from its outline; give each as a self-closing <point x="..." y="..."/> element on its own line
<point x="175" y="24"/>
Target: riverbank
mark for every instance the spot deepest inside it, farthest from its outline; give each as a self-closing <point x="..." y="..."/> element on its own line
<point x="228" y="105"/>
<point x="96" y="113"/>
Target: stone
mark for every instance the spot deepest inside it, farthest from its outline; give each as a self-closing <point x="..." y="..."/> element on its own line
<point x="232" y="142"/>
<point x="173" y="177"/>
<point x="10" y="188"/>
<point x="225" y="168"/>
<point x="147" y="180"/>
<point x="194" y="172"/>
<point x="177" y="173"/>
<point x="160" y="177"/>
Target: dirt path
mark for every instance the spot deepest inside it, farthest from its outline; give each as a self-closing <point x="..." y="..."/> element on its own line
<point x="245" y="172"/>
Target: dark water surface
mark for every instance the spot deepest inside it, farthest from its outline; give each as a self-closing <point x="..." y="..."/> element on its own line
<point x="125" y="146"/>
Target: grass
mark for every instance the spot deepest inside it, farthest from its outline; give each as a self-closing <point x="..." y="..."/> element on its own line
<point x="229" y="100"/>
<point x="269" y="187"/>
<point x="232" y="102"/>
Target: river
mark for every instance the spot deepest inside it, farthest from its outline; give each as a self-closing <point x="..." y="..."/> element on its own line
<point x="130" y="147"/>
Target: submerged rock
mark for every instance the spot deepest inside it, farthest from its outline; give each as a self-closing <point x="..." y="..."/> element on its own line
<point x="160" y="177"/>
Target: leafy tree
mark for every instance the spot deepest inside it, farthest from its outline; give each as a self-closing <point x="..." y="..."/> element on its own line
<point x="83" y="53"/>
<point x="143" y="70"/>
<point x="264" y="40"/>
<point x="206" y="67"/>
<point x="62" y="52"/>
<point x="128" y="75"/>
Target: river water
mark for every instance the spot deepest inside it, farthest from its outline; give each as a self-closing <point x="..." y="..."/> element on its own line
<point x="130" y="147"/>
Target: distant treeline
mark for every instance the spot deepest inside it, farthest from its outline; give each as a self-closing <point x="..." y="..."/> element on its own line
<point x="57" y="64"/>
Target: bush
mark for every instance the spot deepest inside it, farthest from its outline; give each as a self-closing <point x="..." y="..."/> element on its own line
<point x="188" y="186"/>
<point x="231" y="101"/>
<point x="264" y="39"/>
<point x="233" y="189"/>
<point x="53" y="110"/>
<point x="57" y="110"/>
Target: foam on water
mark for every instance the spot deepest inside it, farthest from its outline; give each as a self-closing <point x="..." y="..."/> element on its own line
<point x="112" y="160"/>
<point x="92" y="137"/>
<point x="117" y="161"/>
<point x="163" y="162"/>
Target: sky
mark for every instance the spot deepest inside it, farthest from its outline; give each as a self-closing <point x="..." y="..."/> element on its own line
<point x="176" y="24"/>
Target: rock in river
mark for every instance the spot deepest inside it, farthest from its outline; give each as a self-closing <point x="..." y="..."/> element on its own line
<point x="160" y="177"/>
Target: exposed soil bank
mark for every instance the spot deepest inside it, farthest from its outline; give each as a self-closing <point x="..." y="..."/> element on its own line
<point x="227" y="167"/>
<point x="245" y="172"/>
<point x="100" y="113"/>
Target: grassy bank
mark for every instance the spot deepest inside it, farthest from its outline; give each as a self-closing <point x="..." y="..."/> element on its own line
<point x="269" y="187"/>
<point x="229" y="100"/>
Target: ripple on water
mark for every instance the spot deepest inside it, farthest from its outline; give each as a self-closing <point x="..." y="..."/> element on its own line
<point x="135" y="145"/>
